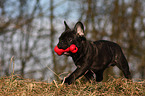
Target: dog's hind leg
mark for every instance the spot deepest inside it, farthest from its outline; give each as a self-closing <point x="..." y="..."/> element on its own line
<point x="99" y="75"/>
<point x="122" y="64"/>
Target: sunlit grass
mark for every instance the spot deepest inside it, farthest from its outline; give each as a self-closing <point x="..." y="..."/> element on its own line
<point x="15" y="85"/>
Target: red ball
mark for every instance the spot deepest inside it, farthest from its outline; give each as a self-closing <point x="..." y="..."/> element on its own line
<point x="58" y="51"/>
<point x="73" y="48"/>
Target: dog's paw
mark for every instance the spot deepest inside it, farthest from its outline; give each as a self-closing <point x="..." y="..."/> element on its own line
<point x="68" y="81"/>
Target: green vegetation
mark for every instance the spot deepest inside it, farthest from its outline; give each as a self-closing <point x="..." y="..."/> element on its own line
<point x="15" y="85"/>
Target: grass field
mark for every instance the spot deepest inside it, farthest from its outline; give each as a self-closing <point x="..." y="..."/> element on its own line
<point x="15" y="85"/>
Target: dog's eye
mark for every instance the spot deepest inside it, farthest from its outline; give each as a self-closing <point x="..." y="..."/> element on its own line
<point x="70" y="40"/>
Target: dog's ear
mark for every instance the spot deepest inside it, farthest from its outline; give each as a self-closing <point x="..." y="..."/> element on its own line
<point x="79" y="28"/>
<point x="66" y="26"/>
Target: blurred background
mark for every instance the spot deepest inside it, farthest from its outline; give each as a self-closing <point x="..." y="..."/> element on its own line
<point x="29" y="30"/>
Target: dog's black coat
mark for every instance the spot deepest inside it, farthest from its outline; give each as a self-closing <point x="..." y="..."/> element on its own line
<point x="93" y="57"/>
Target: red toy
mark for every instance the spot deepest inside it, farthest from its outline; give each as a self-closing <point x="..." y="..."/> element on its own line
<point x="72" y="49"/>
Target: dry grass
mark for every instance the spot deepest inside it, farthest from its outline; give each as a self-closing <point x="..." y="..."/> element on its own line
<point x="15" y="85"/>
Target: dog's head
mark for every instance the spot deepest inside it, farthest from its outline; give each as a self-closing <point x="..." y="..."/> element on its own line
<point x="69" y="37"/>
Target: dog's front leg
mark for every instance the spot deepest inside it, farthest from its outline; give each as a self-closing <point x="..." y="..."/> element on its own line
<point x="76" y="74"/>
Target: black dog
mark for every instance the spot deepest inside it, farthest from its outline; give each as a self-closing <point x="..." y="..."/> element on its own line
<point x="93" y="57"/>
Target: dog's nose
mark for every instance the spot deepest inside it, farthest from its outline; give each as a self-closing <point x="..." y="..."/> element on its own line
<point x="58" y="45"/>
